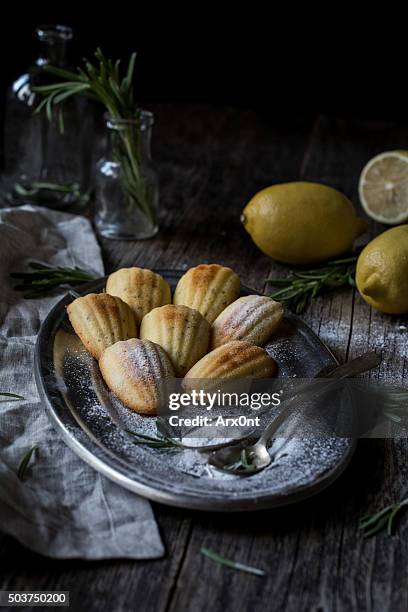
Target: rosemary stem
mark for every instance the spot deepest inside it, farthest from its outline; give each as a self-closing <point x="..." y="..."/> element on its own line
<point x="302" y="285"/>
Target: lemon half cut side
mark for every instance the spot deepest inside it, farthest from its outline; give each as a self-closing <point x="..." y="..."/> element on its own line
<point x="383" y="187"/>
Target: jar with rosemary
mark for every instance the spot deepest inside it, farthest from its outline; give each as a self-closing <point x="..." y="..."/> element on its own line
<point x="126" y="183"/>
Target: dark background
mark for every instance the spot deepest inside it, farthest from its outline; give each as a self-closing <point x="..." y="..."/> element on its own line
<point x="278" y="59"/>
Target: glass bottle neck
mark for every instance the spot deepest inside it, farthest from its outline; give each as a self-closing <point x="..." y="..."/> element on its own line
<point x="132" y="137"/>
<point x="53" y="53"/>
<point x="53" y="45"/>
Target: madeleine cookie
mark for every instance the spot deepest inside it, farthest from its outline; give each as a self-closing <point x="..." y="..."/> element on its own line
<point x="133" y="370"/>
<point x="142" y="289"/>
<point x="100" y="320"/>
<point x="208" y="288"/>
<point x="234" y="360"/>
<point x="253" y="318"/>
<point x="181" y="331"/>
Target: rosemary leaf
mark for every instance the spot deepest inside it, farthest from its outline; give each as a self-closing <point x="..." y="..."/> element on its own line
<point x="63" y="95"/>
<point x="244" y="463"/>
<point x="127" y="81"/>
<point x="41" y="105"/>
<point x="162" y="428"/>
<point x="24" y="462"/>
<point x="48" y="107"/>
<point x="154" y="442"/>
<point x="43" y="278"/>
<point x="393" y="417"/>
<point x="300" y="286"/>
<point x="242" y="567"/>
<point x="10" y="397"/>
<point x="74" y="294"/>
<point x="372" y="524"/>
<point x="55" y="87"/>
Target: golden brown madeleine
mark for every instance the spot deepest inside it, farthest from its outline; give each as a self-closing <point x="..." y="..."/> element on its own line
<point x="234" y="360"/>
<point x="181" y="331"/>
<point x="100" y="319"/>
<point x="208" y="288"/>
<point x="253" y="318"/>
<point x="142" y="289"/>
<point x="133" y="370"/>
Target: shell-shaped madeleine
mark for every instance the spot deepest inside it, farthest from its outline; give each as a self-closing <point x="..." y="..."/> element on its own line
<point x="181" y="331"/>
<point x="234" y="360"/>
<point x="133" y="370"/>
<point x="253" y="318"/>
<point x="208" y="288"/>
<point x="100" y="319"/>
<point x="142" y="289"/>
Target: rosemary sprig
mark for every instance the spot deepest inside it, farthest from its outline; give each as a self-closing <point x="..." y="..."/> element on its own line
<point x="10" y="397"/>
<point x="101" y="81"/>
<point x="244" y="463"/>
<point x="43" y="279"/>
<point x="242" y="567"/>
<point x="394" y="405"/>
<point x="36" y="187"/>
<point x="74" y="294"/>
<point x="22" y="469"/>
<point x="162" y="428"/>
<point x="301" y="286"/>
<point x="43" y="191"/>
<point x="384" y="519"/>
<point x="153" y="441"/>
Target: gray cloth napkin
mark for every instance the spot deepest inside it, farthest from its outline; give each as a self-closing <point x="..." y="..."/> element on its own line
<point x="64" y="508"/>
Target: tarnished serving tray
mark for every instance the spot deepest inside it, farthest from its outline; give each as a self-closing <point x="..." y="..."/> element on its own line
<point x="94" y="424"/>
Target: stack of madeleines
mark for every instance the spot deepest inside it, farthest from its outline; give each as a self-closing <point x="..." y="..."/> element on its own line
<point x="140" y="338"/>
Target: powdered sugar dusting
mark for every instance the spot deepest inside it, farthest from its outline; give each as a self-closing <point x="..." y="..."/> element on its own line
<point x="142" y="360"/>
<point x="253" y="318"/>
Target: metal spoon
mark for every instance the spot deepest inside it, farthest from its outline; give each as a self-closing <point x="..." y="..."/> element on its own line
<point x="198" y="443"/>
<point x="246" y="461"/>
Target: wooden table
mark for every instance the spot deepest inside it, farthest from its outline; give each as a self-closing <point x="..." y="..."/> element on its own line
<point x="211" y="162"/>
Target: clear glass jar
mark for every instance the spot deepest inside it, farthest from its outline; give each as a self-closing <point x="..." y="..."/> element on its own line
<point x="126" y="183"/>
<point x="47" y="162"/>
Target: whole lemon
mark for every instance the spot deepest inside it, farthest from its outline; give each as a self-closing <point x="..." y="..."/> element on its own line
<point x="382" y="271"/>
<point x="301" y="222"/>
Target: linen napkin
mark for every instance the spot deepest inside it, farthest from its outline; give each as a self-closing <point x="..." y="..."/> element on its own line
<point x="63" y="509"/>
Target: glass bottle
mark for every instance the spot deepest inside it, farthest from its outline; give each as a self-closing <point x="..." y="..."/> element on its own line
<point x="47" y="161"/>
<point x="126" y="183"/>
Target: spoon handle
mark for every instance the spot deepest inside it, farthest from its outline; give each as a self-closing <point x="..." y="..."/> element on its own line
<point x="356" y="366"/>
<point x="359" y="365"/>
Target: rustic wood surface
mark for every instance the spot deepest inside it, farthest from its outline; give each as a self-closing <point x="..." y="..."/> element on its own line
<point x="211" y="161"/>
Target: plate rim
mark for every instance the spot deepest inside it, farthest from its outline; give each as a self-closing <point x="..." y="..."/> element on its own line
<point x="186" y="500"/>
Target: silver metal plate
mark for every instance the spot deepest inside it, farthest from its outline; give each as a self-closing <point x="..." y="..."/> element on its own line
<point x="94" y="423"/>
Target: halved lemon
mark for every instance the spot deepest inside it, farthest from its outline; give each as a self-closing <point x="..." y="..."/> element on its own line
<point x="383" y="187"/>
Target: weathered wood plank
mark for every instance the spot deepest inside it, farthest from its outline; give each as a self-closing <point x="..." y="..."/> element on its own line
<point x="107" y="585"/>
